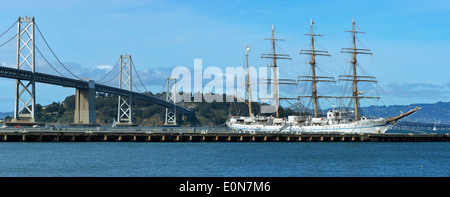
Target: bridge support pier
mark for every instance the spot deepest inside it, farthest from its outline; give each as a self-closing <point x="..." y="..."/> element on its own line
<point x="85" y="105"/>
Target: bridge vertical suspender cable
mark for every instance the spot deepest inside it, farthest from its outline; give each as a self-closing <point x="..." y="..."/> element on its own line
<point x="40" y="33"/>
<point x="137" y="74"/>
<point x="25" y="100"/>
<point x="110" y="71"/>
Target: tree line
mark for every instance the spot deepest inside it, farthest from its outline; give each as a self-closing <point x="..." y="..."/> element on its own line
<point x="148" y="114"/>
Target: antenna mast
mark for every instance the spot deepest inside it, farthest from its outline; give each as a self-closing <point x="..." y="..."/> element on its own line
<point x="275" y="56"/>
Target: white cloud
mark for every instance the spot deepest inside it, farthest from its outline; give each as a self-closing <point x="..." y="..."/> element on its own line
<point x="105" y="67"/>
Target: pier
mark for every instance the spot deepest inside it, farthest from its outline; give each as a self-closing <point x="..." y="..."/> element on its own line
<point x="200" y="135"/>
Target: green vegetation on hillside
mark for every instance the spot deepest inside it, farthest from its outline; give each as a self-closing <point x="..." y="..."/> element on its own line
<point x="214" y="113"/>
<point x="147" y="114"/>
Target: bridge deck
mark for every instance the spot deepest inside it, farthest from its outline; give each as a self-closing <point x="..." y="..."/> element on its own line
<point x="13" y="73"/>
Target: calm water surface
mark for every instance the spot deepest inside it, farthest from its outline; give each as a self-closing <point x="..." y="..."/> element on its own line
<point x="134" y="159"/>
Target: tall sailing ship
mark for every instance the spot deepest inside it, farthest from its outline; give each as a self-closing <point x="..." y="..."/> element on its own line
<point x="336" y="120"/>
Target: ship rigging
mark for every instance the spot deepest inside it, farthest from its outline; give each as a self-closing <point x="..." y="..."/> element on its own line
<point x="339" y="120"/>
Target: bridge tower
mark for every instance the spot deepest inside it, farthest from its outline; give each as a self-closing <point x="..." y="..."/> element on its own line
<point x="171" y="114"/>
<point x="25" y="91"/>
<point x="125" y="82"/>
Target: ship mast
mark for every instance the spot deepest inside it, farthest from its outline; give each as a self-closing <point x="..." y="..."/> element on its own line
<point x="249" y="92"/>
<point x="275" y="56"/>
<point x="313" y="78"/>
<point x="355" y="78"/>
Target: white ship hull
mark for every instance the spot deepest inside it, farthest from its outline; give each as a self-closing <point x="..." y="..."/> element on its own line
<point x="371" y="126"/>
<point x="336" y="121"/>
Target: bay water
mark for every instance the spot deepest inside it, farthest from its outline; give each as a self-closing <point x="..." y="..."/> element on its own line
<point x="224" y="159"/>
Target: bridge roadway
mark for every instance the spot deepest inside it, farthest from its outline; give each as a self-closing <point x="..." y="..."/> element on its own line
<point x="13" y="73"/>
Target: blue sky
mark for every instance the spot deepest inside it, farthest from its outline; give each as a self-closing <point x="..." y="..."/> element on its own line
<point x="410" y="39"/>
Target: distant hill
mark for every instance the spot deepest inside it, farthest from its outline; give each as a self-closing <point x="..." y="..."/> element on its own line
<point x="429" y="113"/>
<point x="4" y="114"/>
<point x="214" y="113"/>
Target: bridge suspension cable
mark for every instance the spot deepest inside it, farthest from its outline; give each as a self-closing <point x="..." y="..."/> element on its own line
<point x="15" y="22"/>
<point x="137" y="74"/>
<point x="110" y="71"/>
<point x="40" y="33"/>
<point x="12" y="38"/>
<point x="48" y="61"/>
<point x="111" y="78"/>
<point x="162" y="89"/>
<point x="20" y="54"/>
<point x="136" y="87"/>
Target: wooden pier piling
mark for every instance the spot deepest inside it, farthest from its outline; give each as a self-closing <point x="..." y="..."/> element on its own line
<point x="78" y="136"/>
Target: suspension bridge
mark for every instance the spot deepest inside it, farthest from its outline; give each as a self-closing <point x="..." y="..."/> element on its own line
<point x="18" y="53"/>
<point x="19" y="63"/>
